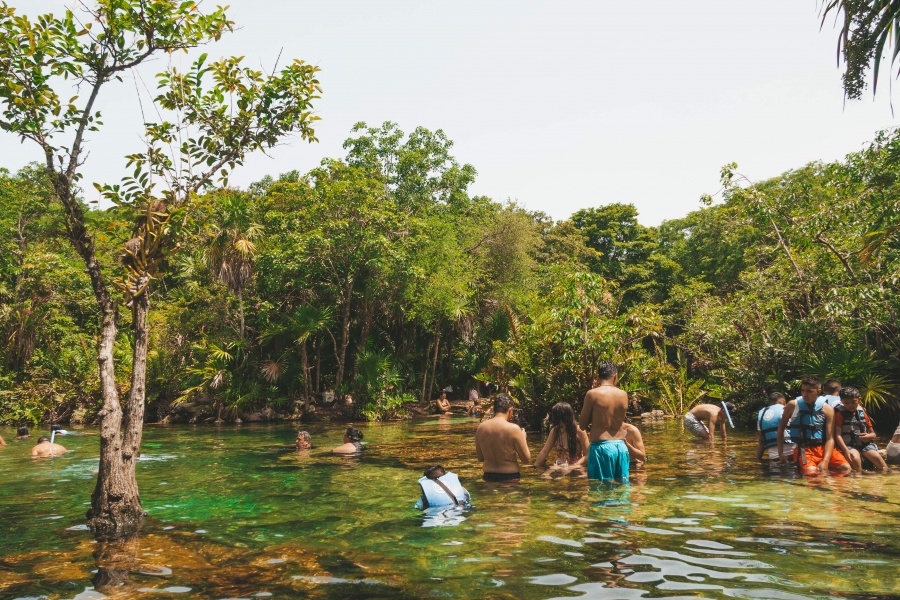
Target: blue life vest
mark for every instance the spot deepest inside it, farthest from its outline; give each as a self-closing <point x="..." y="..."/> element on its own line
<point x="807" y="428"/>
<point x="434" y="495"/>
<point x="833" y="401"/>
<point x="768" y="420"/>
<point x="853" y="425"/>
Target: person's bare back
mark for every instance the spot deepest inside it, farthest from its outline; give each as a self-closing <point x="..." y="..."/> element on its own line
<point x="45" y="448"/>
<point x="604" y="411"/>
<point x="499" y="444"/>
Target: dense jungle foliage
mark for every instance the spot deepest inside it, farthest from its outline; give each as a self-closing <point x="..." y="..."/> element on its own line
<point x="379" y="275"/>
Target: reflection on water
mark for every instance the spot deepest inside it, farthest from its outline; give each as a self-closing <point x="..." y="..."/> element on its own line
<point x="234" y="512"/>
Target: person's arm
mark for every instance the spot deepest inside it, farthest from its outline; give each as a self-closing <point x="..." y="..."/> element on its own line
<point x="782" y="425"/>
<point x="545" y="451"/>
<point x="635" y="442"/>
<point x="713" y="423"/>
<point x="870" y="434"/>
<point x="724" y="422"/>
<point x="522" y="447"/>
<point x="839" y="442"/>
<point x="584" y="420"/>
<point x="760" y="444"/>
<point x="829" y="438"/>
<point x="585" y="444"/>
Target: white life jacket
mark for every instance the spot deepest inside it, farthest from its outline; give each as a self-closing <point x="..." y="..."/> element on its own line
<point x="434" y="495"/>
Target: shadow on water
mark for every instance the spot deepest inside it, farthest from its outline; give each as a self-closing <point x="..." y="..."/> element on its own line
<point x="249" y="517"/>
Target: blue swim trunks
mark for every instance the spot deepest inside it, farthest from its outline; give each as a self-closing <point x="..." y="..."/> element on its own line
<point x="607" y="460"/>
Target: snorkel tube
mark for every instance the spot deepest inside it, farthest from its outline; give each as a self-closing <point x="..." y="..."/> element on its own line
<point x="727" y="414"/>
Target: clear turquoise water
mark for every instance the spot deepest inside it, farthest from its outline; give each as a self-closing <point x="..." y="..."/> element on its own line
<point x="233" y="512"/>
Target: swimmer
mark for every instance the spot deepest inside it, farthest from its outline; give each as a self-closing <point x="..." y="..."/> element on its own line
<point x="303" y="442"/>
<point x="604" y="413"/>
<point x="22" y="433"/>
<point x="500" y="445"/>
<point x="441" y="488"/>
<point x="45" y="448"/>
<point x="352" y="442"/>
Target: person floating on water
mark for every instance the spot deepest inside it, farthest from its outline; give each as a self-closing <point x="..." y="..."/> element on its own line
<point x="568" y="440"/>
<point x="853" y="432"/>
<point x="500" y="445"/>
<point x="812" y="430"/>
<point x="46" y="448"/>
<point x="697" y="418"/>
<point x="767" y="430"/>
<point x="604" y="413"/>
<point x="352" y="442"/>
<point x="441" y="488"/>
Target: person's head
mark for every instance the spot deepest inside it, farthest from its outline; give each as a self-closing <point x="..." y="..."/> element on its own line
<point x="22" y="432"/>
<point x="443" y="395"/>
<point x="55" y="428"/>
<point x="43" y="439"/>
<point x="607" y="371"/>
<point x="561" y="414"/>
<point x="731" y="407"/>
<point x="435" y="472"/>
<point x="832" y="387"/>
<point x="775" y="398"/>
<point x="810" y="388"/>
<point x="353" y="435"/>
<point x="849" y="397"/>
<point x="503" y="403"/>
<point x="304" y="441"/>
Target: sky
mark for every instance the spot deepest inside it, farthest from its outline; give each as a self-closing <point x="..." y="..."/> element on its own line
<point x="559" y="105"/>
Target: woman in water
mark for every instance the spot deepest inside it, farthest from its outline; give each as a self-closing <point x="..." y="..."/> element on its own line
<point x="567" y="438"/>
<point x="351" y="445"/>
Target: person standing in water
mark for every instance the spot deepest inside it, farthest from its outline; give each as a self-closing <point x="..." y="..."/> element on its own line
<point x="568" y="439"/>
<point x="352" y="442"/>
<point x="500" y="445"/>
<point x="604" y="413"/>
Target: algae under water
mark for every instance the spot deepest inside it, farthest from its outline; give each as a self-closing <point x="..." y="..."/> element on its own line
<point x="235" y="512"/>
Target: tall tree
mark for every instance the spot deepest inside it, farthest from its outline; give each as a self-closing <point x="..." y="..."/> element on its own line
<point x="216" y="126"/>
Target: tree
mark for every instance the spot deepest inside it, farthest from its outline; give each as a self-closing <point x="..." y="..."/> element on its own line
<point x="216" y="126"/>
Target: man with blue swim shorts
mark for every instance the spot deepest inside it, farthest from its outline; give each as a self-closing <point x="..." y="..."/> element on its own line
<point x="604" y="413"/>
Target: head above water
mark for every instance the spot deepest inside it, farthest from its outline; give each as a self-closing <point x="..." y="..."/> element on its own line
<point x="353" y="434"/>
<point x="435" y="472"/>
<point x="563" y="417"/>
<point x="832" y="387"/>
<point x="775" y="398"/>
<point x="22" y="432"/>
<point x="303" y="439"/>
<point x="850" y="397"/>
<point x="810" y="388"/>
<point x="503" y="403"/>
<point x="607" y="371"/>
<point x="43" y="439"/>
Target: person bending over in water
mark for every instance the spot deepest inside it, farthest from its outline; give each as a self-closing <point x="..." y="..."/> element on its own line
<point x="604" y="413"/>
<point x="441" y="488"/>
<point x="352" y="442"/>
<point x="303" y="442"/>
<point x="46" y="448"/>
<point x="498" y="443"/>
<point x="566" y="437"/>
<point x="696" y="420"/>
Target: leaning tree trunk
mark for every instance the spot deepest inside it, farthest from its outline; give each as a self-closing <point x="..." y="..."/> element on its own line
<point x="437" y="347"/>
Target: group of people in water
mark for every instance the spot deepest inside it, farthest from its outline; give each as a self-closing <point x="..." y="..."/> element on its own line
<point x="45" y="447"/>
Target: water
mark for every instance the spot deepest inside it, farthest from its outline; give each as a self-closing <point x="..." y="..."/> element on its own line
<point x="234" y="513"/>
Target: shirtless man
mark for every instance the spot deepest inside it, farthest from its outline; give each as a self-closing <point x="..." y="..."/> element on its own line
<point x="697" y="419"/>
<point x="46" y="448"/>
<point x="604" y="413"/>
<point x="500" y="445"/>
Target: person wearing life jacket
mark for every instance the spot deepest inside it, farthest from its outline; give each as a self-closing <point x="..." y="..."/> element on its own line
<point x="832" y="388"/>
<point x="440" y="488"/>
<point x="767" y="429"/>
<point x="812" y="430"/>
<point x="853" y="432"/>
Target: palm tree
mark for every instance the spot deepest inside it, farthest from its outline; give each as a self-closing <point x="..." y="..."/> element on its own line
<point x="230" y="249"/>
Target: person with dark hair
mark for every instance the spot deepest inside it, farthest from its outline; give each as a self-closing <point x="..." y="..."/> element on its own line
<point x="352" y="442"/>
<point x="812" y="430"/>
<point x="22" y="433"/>
<point x="603" y="412"/>
<point x="442" y="404"/>
<point x="441" y="488"/>
<point x="475" y="410"/>
<point x="697" y="418"/>
<point x="500" y="445"/>
<point x="568" y="439"/>
<point x="303" y="441"/>
<point x="46" y="448"/>
<point x="832" y="389"/>
<point x="853" y="432"/>
<point x="767" y="429"/>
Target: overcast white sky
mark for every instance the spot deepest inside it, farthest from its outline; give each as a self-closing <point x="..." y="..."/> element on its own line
<point x="558" y="105"/>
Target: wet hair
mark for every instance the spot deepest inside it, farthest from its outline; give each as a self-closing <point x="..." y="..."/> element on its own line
<point x="22" y="431"/>
<point x="55" y="428"/>
<point x="303" y="435"/>
<point x="43" y="439"/>
<point x="562" y="417"/>
<point x="831" y="387"/>
<point x="354" y="434"/>
<point x="774" y="397"/>
<point x="730" y="406"/>
<point x="811" y="380"/>
<point x="606" y="369"/>
<point x="849" y="392"/>
<point x="502" y="403"/>
<point x="435" y="472"/>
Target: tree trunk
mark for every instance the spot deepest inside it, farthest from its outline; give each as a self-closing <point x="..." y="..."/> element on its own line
<point x="318" y="366"/>
<point x="304" y="363"/>
<point x="341" y="355"/>
<point x="437" y="347"/>
<point x="425" y="373"/>
<point x="240" y="295"/>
